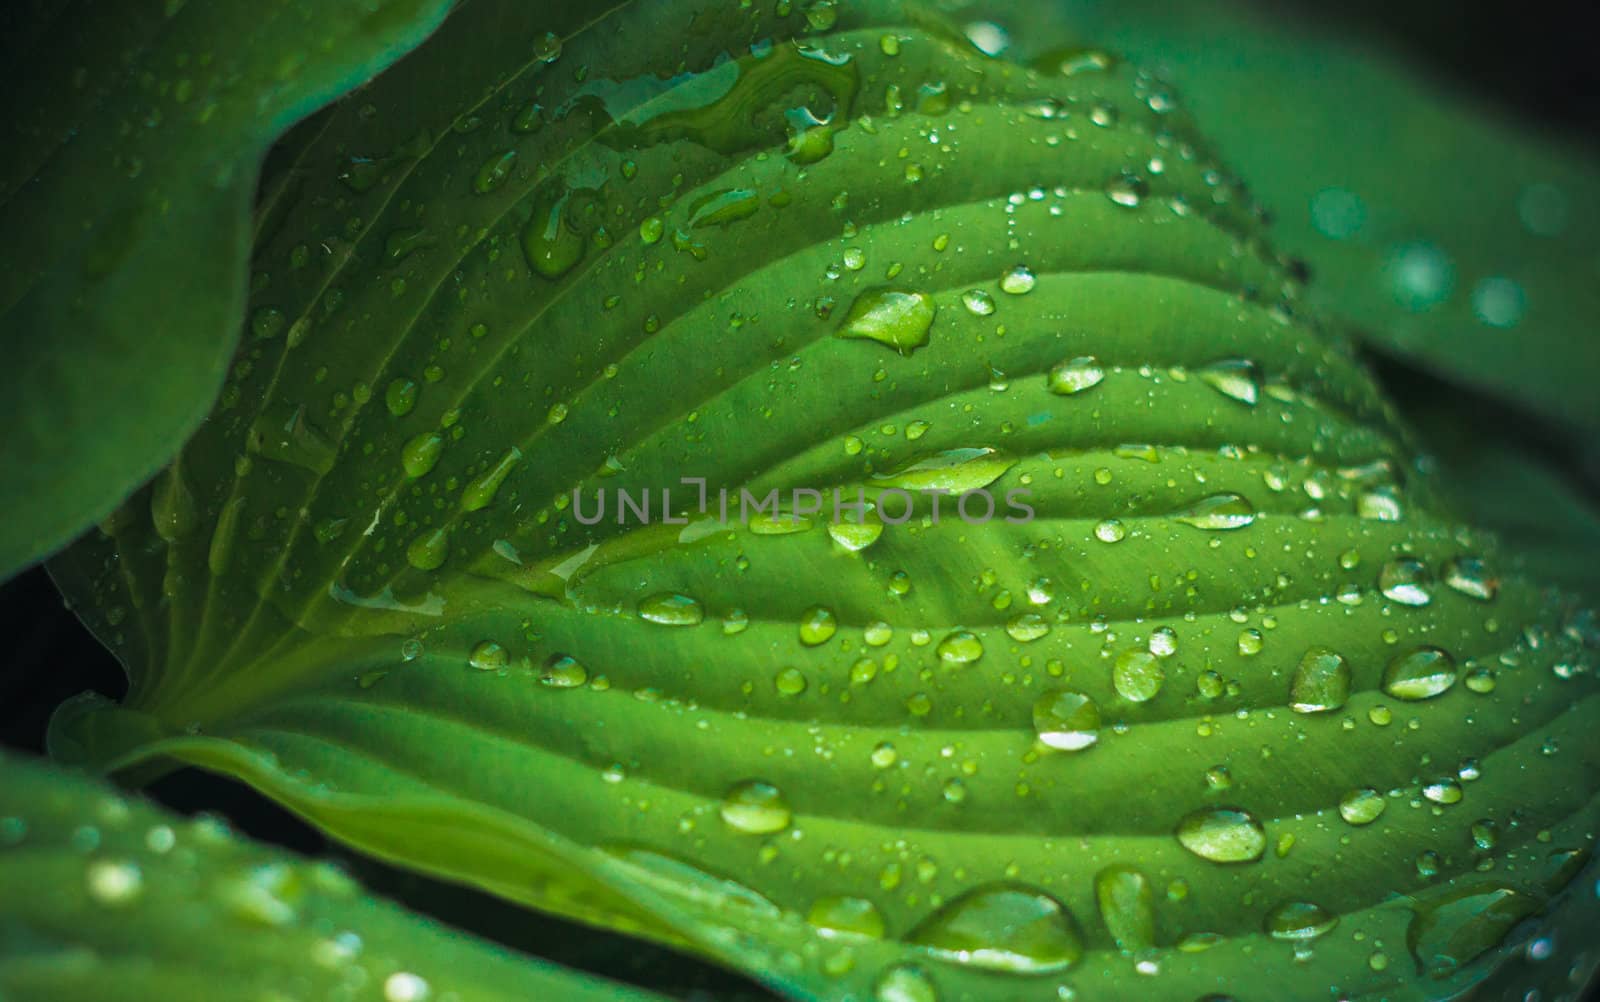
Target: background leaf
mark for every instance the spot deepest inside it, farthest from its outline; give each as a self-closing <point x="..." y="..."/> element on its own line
<point x="839" y="759"/>
<point x="132" y="152"/>
<point x="1442" y="228"/>
<point x="102" y="897"/>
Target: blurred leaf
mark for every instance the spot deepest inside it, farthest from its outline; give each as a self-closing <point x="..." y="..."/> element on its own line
<point x="132" y="150"/>
<point x="1442" y="228"/>
<point x="917" y="758"/>
<point x="104" y="897"/>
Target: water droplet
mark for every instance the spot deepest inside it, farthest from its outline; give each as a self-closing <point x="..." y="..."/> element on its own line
<point x="1419" y="674"/>
<point x="114" y="883"/>
<point x="1444" y="790"/>
<point x="671" y="609"/>
<point x="893" y="317"/>
<point x="843" y="916"/>
<point x="428" y="551"/>
<point x="954" y="471"/>
<point x="1127" y="906"/>
<point x="1223" y="835"/>
<point x="856" y="536"/>
<point x="960" y="648"/>
<point x="756" y="808"/>
<point x="1321" y="682"/>
<point x="403" y="986"/>
<point x="1002" y="927"/>
<point x="479" y="494"/>
<point x="1127" y="189"/>
<point x="904" y="982"/>
<point x="547" y="47"/>
<point x="978" y="302"/>
<point x="1110" y="531"/>
<point x="1027" y="627"/>
<point x="563" y="672"/>
<point x="790" y="682"/>
<point x="1066" y="720"/>
<point x="1299" y="921"/>
<point x="400" y="397"/>
<point x="549" y="242"/>
<point x="494" y="172"/>
<point x="1362" y="807"/>
<point x="1406" y="580"/>
<point x="421" y="454"/>
<point x="1458" y="927"/>
<point x="1019" y="281"/>
<point x="817" y="626"/>
<point x="723" y="208"/>
<point x="1075" y="375"/>
<point x="1236" y="378"/>
<point x="489" y="656"/>
<point x="1471" y="577"/>
<point x="1219" y="512"/>
<point x="1137" y="676"/>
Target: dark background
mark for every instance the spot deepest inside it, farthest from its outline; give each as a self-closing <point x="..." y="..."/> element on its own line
<point x="1537" y="61"/>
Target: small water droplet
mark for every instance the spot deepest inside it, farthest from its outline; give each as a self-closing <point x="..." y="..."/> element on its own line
<point x="1002" y="927"/>
<point x="1406" y="580"/>
<point x="1018" y="281"/>
<point x="1219" y="512"/>
<point x="671" y="609"/>
<point x="1321" y="682"/>
<point x="895" y="317"/>
<point x="1235" y="378"/>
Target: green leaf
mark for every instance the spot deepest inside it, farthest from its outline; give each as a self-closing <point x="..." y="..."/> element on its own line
<point x="1443" y="229"/>
<point x="916" y="761"/>
<point x="106" y="897"/>
<point x="132" y="156"/>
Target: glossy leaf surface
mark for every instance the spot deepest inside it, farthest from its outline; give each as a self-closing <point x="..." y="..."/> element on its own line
<point x="1238" y="707"/>
<point x="106" y="897"/>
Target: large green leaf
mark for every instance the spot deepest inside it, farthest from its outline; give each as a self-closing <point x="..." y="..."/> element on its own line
<point x="949" y="760"/>
<point x="1441" y="227"/>
<point x="132" y="148"/>
<point x="104" y="897"/>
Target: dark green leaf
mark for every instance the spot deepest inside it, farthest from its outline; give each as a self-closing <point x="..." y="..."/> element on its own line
<point x="131" y="158"/>
<point x="944" y="760"/>
<point x="104" y="897"/>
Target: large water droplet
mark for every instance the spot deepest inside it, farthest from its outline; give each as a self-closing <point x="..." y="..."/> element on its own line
<point x="895" y="317"/>
<point x="1137" y="676"/>
<point x="1420" y="674"/>
<point x="1127" y="906"/>
<point x="756" y="808"/>
<point x="1406" y="580"/>
<point x="1223" y="835"/>
<point x="1219" y="512"/>
<point x="839" y="915"/>
<point x="1299" y="921"/>
<point x="955" y="471"/>
<point x="1066" y="720"/>
<point x="1453" y="930"/>
<point x="1361" y="807"/>
<point x="1019" y="281"/>
<point x="1075" y="375"/>
<point x="1471" y="577"/>
<point x="1321" y="682"/>
<point x="1002" y="927"/>
<point x="1236" y="378"/>
<point x="671" y="609"/>
<point x="960" y="648"/>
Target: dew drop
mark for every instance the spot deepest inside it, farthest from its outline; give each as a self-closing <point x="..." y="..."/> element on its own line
<point x="1223" y="835"/>
<point x="1075" y="375"/>
<point x="1299" y="921"/>
<point x="893" y="317"/>
<point x="1362" y="807"/>
<point x="1219" y="512"/>
<point x="1066" y="720"/>
<point x="755" y="808"/>
<point x="671" y="609"/>
<point x="1321" y="682"/>
<point x="1419" y="674"/>
<point x="1019" y="281"/>
<point x="1002" y="927"/>
<point x="1235" y="378"/>
<point x="1127" y="906"/>
<point x="1406" y="580"/>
